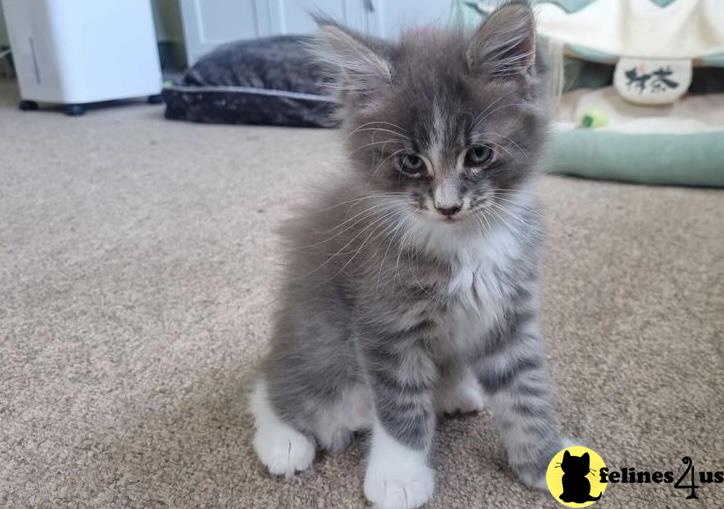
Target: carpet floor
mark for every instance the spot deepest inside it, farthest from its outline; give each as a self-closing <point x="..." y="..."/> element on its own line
<point x="137" y="273"/>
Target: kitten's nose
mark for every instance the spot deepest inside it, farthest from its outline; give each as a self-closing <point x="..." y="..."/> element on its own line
<point x="446" y="197"/>
<point x="448" y="211"/>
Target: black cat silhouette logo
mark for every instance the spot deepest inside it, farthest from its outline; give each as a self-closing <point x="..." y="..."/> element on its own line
<point x="572" y="476"/>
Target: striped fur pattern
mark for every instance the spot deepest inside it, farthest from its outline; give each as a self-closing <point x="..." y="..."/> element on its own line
<point x="411" y="287"/>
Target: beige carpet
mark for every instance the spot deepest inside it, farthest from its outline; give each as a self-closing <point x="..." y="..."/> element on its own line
<point x="137" y="265"/>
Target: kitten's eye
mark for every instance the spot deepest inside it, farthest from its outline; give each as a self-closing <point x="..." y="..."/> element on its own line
<point x="411" y="164"/>
<point x="478" y="155"/>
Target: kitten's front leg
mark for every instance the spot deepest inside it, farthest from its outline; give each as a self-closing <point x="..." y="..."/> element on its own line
<point x="401" y="377"/>
<point x="513" y="374"/>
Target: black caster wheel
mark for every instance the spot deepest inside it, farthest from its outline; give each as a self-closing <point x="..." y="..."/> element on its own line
<point x="74" y="110"/>
<point x="155" y="99"/>
<point x="28" y="105"/>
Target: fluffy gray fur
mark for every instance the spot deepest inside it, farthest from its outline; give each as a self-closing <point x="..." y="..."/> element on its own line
<point x="399" y="282"/>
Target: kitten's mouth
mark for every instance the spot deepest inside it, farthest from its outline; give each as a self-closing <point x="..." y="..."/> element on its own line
<point x="456" y="219"/>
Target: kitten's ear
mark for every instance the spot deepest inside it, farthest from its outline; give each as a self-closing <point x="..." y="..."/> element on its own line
<point x="586" y="456"/>
<point x="358" y="64"/>
<point x="566" y="454"/>
<point x="504" y="44"/>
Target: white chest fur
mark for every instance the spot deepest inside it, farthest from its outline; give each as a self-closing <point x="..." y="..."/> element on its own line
<point x="477" y="289"/>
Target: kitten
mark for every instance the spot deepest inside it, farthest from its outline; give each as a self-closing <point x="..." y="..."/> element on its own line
<point x="576" y="487"/>
<point x="412" y="284"/>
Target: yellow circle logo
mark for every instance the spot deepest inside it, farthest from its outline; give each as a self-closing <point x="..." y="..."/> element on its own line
<point x="573" y="476"/>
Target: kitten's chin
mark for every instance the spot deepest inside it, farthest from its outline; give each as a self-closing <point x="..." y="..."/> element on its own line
<point x="451" y="221"/>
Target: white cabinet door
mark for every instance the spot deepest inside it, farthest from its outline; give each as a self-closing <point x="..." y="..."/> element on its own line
<point x="208" y="23"/>
<point x="293" y="16"/>
<point x="389" y="18"/>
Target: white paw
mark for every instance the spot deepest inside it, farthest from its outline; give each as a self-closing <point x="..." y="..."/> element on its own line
<point x="397" y="476"/>
<point x="280" y="447"/>
<point x="534" y="481"/>
<point x="465" y="397"/>
<point x="568" y="442"/>
<point x="284" y="451"/>
<point x="389" y="488"/>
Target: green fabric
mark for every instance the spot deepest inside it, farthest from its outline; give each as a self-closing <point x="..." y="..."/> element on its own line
<point x="681" y="159"/>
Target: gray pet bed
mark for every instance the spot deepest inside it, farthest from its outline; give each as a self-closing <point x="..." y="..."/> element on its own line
<point x="270" y="81"/>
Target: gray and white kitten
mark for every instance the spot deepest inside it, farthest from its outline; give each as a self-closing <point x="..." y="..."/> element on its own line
<point x="412" y="283"/>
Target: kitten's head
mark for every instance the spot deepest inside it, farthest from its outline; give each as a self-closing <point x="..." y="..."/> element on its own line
<point x="452" y="121"/>
<point x="576" y="464"/>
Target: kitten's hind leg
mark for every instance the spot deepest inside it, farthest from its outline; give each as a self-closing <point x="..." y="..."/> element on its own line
<point x="283" y="449"/>
<point x="458" y="391"/>
<point x="350" y="412"/>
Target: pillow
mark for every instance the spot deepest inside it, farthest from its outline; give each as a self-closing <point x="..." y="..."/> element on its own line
<point x="270" y="81"/>
<point x="667" y="144"/>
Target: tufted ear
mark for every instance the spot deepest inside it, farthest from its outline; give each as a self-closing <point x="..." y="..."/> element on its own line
<point x="504" y="45"/>
<point x="358" y="63"/>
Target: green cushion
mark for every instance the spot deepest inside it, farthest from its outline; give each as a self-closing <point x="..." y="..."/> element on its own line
<point x="683" y="159"/>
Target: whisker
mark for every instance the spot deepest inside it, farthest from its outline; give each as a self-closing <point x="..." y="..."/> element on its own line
<point x="367" y="197"/>
<point x="386" y="158"/>
<point x="509" y="213"/>
<point x="402" y="132"/>
<point x="359" y="249"/>
<point x="374" y="143"/>
<point x="375" y="206"/>
<point x="383" y="130"/>
<point x="392" y="236"/>
<point x="341" y="250"/>
<point x="480" y="117"/>
<point x="501" y="107"/>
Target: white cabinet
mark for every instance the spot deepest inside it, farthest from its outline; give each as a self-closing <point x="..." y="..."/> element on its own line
<point x="208" y="23"/>
<point x="292" y="16"/>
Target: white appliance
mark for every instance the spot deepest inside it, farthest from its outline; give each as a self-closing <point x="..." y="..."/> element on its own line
<point x="76" y="52"/>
